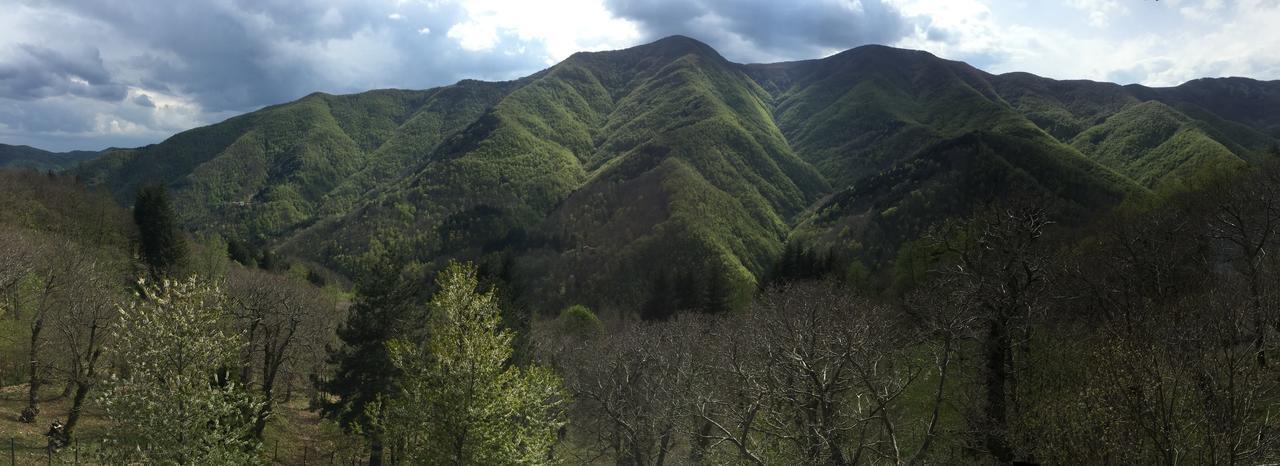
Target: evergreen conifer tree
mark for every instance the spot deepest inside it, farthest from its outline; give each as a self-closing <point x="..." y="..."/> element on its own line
<point x="162" y="246"/>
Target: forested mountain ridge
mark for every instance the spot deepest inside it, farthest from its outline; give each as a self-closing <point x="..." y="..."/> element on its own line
<point x="612" y="173"/>
<point x="38" y="159"/>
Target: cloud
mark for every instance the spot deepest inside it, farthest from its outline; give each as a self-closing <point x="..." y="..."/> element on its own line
<point x="1100" y="11"/>
<point x="143" y="100"/>
<point x="37" y="72"/>
<point x="767" y="30"/>
<point x="221" y="57"/>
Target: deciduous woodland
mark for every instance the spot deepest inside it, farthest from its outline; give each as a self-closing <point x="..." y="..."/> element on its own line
<point x="656" y="256"/>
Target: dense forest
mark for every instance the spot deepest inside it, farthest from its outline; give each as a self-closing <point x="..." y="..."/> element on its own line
<point x="656" y="256"/>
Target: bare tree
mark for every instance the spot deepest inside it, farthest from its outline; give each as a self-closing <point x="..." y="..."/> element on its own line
<point x="85" y="315"/>
<point x="815" y="375"/>
<point x="58" y="265"/>
<point x="998" y="264"/>
<point x="1245" y="219"/>
<point x="628" y="389"/>
<point x="286" y="322"/>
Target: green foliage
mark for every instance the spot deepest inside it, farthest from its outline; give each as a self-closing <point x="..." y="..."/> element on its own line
<point x="1152" y="144"/>
<point x="461" y="402"/>
<point x="578" y="321"/>
<point x="209" y="257"/>
<point x="162" y="245"/>
<point x="30" y="158"/>
<point x="364" y="375"/>
<point x="174" y="404"/>
<point x="58" y="204"/>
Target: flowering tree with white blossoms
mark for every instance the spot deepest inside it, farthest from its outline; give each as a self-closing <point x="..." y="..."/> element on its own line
<point x="173" y="403"/>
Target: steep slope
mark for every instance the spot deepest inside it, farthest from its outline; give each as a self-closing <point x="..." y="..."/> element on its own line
<point x="1153" y="144"/>
<point x="912" y="140"/>
<point x="263" y="174"/>
<point x="1063" y="109"/>
<point x="670" y="126"/>
<point x="43" y="160"/>
<point x="1249" y="102"/>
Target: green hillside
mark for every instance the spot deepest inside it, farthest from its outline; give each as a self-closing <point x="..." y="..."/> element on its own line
<point x="260" y="176"/>
<point x="912" y="140"/>
<point x="610" y="173"/>
<point x="59" y="205"/>
<point x="1152" y="144"/>
<point x="36" y="159"/>
<point x="560" y="159"/>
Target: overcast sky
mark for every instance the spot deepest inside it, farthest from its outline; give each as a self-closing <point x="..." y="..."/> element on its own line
<point x="88" y="74"/>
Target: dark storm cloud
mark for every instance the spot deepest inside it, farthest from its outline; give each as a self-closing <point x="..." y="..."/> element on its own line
<point x="40" y="72"/>
<point x="227" y="56"/>
<point x="781" y="29"/>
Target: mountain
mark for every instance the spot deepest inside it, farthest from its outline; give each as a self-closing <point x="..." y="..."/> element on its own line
<point x="38" y="159"/>
<point x="611" y="173"/>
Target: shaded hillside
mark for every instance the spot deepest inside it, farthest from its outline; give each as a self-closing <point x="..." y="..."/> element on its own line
<point x="37" y="159"/>
<point x="910" y="140"/>
<point x="60" y="205"/>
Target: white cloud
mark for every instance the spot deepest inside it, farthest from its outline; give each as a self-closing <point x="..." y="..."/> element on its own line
<point x="424" y="31"/>
<point x="561" y="28"/>
<point x="1154" y="43"/>
<point x="395" y="16"/>
<point x="1100" y="12"/>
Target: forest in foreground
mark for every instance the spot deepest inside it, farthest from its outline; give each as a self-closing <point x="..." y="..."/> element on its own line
<point x="1149" y="334"/>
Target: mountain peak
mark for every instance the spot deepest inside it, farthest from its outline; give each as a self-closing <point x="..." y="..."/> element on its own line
<point x="674" y="46"/>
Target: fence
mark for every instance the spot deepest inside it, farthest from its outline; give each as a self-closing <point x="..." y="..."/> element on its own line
<point x="28" y="454"/>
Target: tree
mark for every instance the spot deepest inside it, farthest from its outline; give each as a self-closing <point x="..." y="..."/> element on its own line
<point x="284" y="321"/>
<point x="363" y="376"/>
<point x="662" y="301"/>
<point x="59" y="279"/>
<point x="83" y="330"/>
<point x="26" y="265"/>
<point x="163" y="248"/>
<point x="462" y="402"/>
<point x="719" y="291"/>
<point x="999" y="268"/>
<point x="171" y="406"/>
<point x="1246" y="219"/>
<point x="628" y="389"/>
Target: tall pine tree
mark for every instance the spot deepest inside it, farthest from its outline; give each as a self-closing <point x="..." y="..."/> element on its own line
<point x="162" y="246"/>
<point x="719" y="290"/>
<point x="364" y="376"/>
<point x="662" y="299"/>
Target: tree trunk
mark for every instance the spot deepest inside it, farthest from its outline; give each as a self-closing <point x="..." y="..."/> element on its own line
<point x="997" y="348"/>
<point x="375" y="450"/>
<point x="698" y="448"/>
<point x="270" y="368"/>
<point x="33" y="394"/>
<point x="77" y="403"/>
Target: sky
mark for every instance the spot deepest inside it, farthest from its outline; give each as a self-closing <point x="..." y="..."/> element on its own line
<point x="91" y="74"/>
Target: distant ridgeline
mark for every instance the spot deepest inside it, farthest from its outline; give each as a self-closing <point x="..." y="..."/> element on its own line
<point x="36" y="159"/>
<point x="612" y="173"/>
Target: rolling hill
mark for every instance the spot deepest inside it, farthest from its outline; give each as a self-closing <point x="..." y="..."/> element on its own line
<point x="610" y="173"/>
<point x="37" y="159"/>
